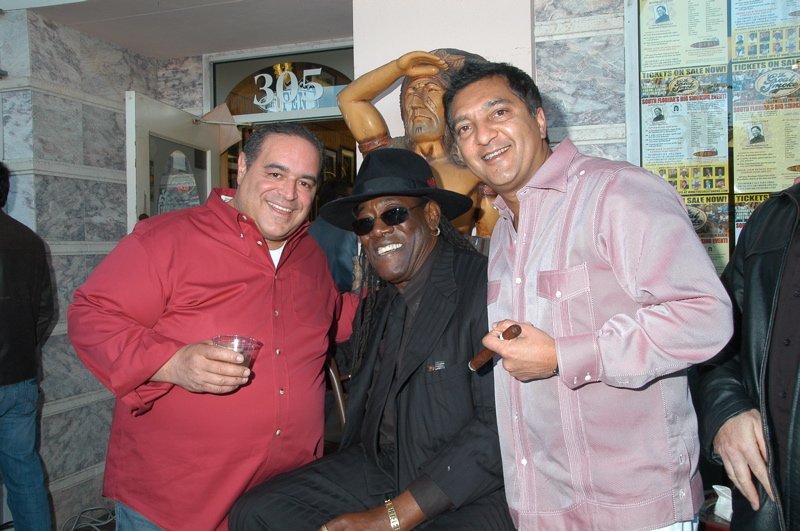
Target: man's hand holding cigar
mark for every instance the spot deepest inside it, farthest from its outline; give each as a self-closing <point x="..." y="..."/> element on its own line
<point x="529" y="356"/>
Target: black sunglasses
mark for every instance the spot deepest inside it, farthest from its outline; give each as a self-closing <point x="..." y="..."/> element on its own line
<point x="393" y="216"/>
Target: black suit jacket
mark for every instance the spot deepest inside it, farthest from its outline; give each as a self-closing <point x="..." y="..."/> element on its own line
<point x="445" y="419"/>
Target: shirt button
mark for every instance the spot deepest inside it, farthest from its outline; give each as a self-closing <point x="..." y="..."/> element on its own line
<point x="279" y="432"/>
<point x="797" y="293"/>
<point x="681" y="493"/>
<point x="259" y="242"/>
<point x="516" y="416"/>
<point x="276" y="277"/>
<point x="524" y="461"/>
<point x="558" y="294"/>
<point x="241" y="235"/>
<point x="278" y="351"/>
<point x="518" y="281"/>
<point x="282" y="391"/>
<point x="787" y="342"/>
<point x="587" y="377"/>
<point x="582" y="172"/>
<point x="244" y="218"/>
<point x="782" y="394"/>
<point x="276" y="313"/>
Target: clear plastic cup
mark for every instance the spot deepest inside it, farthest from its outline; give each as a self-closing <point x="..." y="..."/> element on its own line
<point x="246" y="346"/>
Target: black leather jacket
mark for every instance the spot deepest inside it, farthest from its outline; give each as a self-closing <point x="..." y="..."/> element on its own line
<point x="26" y="300"/>
<point x="753" y="278"/>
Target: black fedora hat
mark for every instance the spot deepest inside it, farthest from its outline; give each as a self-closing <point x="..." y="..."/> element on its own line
<point x="387" y="172"/>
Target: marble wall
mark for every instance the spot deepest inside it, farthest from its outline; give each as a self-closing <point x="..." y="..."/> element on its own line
<point x="580" y="70"/>
<point x="63" y="137"/>
<point x="180" y="83"/>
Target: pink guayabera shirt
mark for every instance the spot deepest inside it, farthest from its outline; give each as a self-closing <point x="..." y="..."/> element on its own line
<point x="605" y="261"/>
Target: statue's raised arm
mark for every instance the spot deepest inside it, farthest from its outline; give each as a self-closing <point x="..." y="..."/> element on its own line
<point x="355" y="101"/>
<point x="425" y="80"/>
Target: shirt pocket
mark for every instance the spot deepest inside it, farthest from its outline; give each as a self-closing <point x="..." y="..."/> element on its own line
<point x="567" y="291"/>
<point x="312" y="300"/>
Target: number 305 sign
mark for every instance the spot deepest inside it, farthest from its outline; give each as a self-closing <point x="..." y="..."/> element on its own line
<point x="292" y="95"/>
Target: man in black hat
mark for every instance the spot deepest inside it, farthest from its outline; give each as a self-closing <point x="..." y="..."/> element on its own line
<point x="420" y="446"/>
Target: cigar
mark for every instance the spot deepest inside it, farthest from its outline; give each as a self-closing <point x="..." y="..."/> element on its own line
<point x="485" y="355"/>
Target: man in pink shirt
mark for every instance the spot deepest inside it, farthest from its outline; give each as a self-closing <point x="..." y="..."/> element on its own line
<point x="192" y="430"/>
<point x="598" y="262"/>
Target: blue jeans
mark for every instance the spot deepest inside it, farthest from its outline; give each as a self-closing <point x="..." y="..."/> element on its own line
<point x="130" y="520"/>
<point x="20" y="465"/>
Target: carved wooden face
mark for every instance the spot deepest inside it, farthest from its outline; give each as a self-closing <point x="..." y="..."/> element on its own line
<point x="423" y="109"/>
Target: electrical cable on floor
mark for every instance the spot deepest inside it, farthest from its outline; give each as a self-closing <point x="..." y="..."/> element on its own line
<point x="84" y="521"/>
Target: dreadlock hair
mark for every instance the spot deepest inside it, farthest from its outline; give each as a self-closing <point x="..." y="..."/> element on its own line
<point x="372" y="282"/>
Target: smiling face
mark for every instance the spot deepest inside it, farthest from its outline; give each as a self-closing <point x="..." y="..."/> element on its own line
<point x="398" y="252"/>
<point x="423" y="109"/>
<point x="498" y="138"/>
<point x="278" y="189"/>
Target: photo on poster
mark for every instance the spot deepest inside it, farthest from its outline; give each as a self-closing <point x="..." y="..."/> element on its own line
<point x="756" y="134"/>
<point x="710" y="218"/>
<point x="661" y="14"/>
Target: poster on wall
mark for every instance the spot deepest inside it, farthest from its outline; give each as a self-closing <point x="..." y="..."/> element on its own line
<point x="678" y="34"/>
<point x="764" y="29"/>
<point x="684" y="113"/>
<point x="743" y="207"/>
<point x="766" y="124"/>
<point x="710" y="218"/>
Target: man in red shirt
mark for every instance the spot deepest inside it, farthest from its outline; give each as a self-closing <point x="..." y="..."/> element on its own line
<point x="192" y="430"/>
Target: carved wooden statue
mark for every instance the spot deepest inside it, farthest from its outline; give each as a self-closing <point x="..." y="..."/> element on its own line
<point x="426" y="131"/>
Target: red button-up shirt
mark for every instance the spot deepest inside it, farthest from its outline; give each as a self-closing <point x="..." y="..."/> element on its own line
<point x="181" y="459"/>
